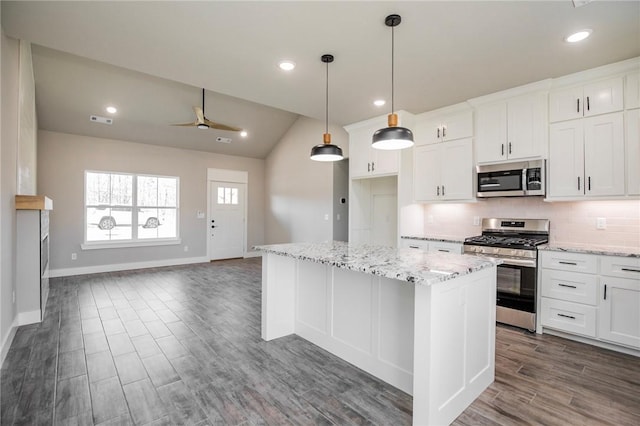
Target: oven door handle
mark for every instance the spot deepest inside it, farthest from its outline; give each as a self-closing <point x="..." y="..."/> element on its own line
<point x="528" y="263"/>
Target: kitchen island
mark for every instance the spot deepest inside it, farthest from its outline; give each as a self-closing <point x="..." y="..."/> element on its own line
<point x="423" y="322"/>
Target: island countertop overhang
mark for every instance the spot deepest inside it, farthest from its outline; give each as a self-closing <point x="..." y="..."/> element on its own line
<point x="410" y="265"/>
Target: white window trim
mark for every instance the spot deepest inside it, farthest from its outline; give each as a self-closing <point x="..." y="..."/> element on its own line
<point x="145" y="242"/>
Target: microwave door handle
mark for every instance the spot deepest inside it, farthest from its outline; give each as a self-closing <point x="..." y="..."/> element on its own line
<point x="524" y="181"/>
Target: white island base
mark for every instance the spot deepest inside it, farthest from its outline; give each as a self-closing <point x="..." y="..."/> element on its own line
<point x="434" y="341"/>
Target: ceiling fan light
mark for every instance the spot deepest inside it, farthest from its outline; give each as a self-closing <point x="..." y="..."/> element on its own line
<point x="391" y="138"/>
<point x="326" y="152"/>
<point x="202" y="126"/>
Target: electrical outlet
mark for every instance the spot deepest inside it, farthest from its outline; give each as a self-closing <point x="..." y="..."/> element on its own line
<point x="326" y="216"/>
<point x="338" y="216"/>
<point x="186" y="248"/>
<point x="476" y="221"/>
<point x="74" y="256"/>
<point x="601" y="223"/>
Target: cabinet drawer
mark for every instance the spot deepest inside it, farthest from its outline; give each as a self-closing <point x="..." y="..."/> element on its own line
<point x="415" y="244"/>
<point x="623" y="267"/>
<point x="569" y="317"/>
<point x="565" y="261"/>
<point x="441" y="246"/>
<point x="570" y="286"/>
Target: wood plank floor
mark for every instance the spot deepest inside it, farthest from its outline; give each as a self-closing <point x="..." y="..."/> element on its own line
<point x="182" y="345"/>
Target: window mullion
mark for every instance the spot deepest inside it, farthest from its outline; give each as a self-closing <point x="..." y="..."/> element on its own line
<point x="134" y="209"/>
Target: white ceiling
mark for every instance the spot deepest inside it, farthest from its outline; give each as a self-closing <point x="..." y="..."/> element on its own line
<point x="153" y="57"/>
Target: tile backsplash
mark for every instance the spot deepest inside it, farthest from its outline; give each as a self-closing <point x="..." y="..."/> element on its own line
<point x="571" y="222"/>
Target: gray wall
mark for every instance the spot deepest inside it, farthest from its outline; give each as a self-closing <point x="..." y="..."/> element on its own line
<point x="299" y="190"/>
<point x="340" y="210"/>
<point x="63" y="158"/>
<point x="9" y="58"/>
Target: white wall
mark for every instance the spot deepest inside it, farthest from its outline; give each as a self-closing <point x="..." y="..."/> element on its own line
<point x="63" y="158"/>
<point x="9" y="58"/>
<point x="27" y="124"/>
<point x="299" y="190"/>
<point x="571" y="222"/>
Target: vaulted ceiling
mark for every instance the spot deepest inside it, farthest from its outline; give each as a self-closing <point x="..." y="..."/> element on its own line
<point x="150" y="59"/>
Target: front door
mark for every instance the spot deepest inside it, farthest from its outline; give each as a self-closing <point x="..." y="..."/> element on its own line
<point x="226" y="220"/>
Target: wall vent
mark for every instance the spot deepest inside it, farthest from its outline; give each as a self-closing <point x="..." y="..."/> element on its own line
<point x="98" y="119"/>
<point x="223" y="140"/>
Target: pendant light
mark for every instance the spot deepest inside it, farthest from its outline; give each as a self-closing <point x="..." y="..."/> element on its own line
<point x="326" y="151"/>
<point x="392" y="137"/>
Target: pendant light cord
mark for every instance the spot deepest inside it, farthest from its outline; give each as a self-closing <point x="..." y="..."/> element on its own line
<point x="392" y="67"/>
<point x="326" y="115"/>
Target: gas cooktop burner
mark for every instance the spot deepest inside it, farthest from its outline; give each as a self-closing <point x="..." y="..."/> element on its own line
<point x="507" y="241"/>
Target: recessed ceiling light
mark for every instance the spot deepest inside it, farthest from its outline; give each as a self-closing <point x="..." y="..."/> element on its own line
<point x="287" y="65"/>
<point x="578" y="36"/>
<point x="243" y="133"/>
<point x="379" y="102"/>
<point x="112" y="109"/>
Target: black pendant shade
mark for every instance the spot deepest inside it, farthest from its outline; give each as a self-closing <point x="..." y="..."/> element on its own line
<point x="392" y="137"/>
<point x="326" y="151"/>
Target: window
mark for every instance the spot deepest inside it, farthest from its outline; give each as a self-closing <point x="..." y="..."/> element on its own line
<point x="130" y="208"/>
<point x="227" y="195"/>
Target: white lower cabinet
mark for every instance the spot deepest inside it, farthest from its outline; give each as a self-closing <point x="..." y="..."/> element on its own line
<point x="593" y="296"/>
<point x="433" y="246"/>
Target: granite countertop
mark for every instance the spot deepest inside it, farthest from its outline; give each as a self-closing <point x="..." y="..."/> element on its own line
<point x="591" y="249"/>
<point x="457" y="240"/>
<point x="414" y="266"/>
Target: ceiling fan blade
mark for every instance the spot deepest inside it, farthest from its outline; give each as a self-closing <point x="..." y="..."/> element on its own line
<point x="193" y="124"/>
<point x="219" y="126"/>
<point x="199" y="114"/>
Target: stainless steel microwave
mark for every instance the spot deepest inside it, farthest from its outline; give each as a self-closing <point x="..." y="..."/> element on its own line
<point x="518" y="179"/>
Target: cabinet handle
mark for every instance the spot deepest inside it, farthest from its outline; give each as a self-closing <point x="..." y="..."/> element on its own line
<point x="567" y="285"/>
<point x="438" y="191"/>
<point x="373" y="166"/>
<point x="438" y="132"/>
<point x="567" y="263"/>
<point x="578" y="183"/>
<point x="589" y="183"/>
<point x="443" y="190"/>
<point x="446" y="251"/>
<point x="368" y="167"/>
<point x="578" y="103"/>
<point x="630" y="270"/>
<point x="416" y="247"/>
<point x="509" y="147"/>
<point x="502" y="148"/>
<point x="566" y="316"/>
<point x="588" y="109"/>
<point x="605" y="292"/>
<point x="444" y="131"/>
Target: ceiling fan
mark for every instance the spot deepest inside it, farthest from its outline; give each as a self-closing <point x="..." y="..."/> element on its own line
<point x="203" y="123"/>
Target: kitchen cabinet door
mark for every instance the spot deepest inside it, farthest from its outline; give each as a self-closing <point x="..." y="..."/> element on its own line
<point x="447" y="127"/>
<point x="359" y="152"/>
<point x="526" y="126"/>
<point x="565" y="104"/>
<point x="491" y="132"/>
<point x="604" y="155"/>
<point x="427" y="130"/>
<point x="603" y="97"/>
<point x="384" y="162"/>
<point x="632" y="140"/>
<point x="632" y="91"/>
<point x="566" y="159"/>
<point x="457" y="170"/>
<point x="620" y="311"/>
<point x="427" y="160"/>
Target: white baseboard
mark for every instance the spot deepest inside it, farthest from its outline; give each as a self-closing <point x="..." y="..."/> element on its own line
<point x="252" y="254"/>
<point x="67" y="272"/>
<point x="31" y="317"/>
<point x="6" y="344"/>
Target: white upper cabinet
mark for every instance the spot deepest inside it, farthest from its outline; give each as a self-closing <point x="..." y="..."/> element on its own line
<point x="366" y="161"/>
<point x="632" y="91"/>
<point x="434" y="128"/>
<point x="586" y="157"/>
<point x="511" y="129"/>
<point x="632" y="140"/>
<point x="601" y="97"/>
<point x="443" y="172"/>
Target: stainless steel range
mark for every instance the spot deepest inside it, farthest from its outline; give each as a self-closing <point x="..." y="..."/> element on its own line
<point x="515" y="241"/>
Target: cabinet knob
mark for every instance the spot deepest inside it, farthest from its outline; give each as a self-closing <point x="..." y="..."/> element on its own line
<point x="443" y="190"/>
<point x="373" y="166"/>
<point x="438" y="133"/>
<point x="578" y="105"/>
<point x="502" y="150"/>
<point x="368" y="167"/>
<point x="438" y="190"/>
